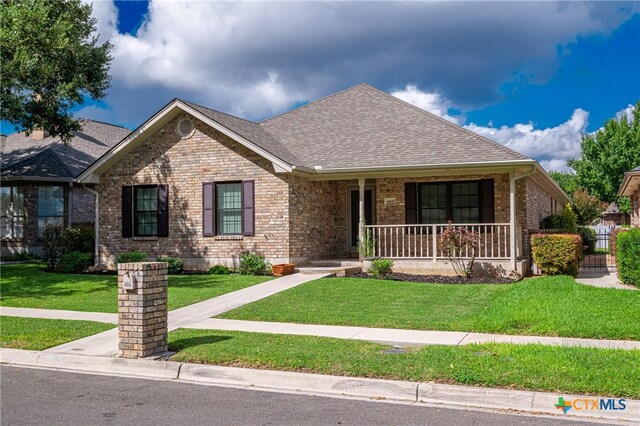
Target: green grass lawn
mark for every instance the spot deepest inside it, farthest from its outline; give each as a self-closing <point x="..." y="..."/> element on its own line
<point x="547" y="306"/>
<point x="602" y="372"/>
<point x="27" y="286"/>
<point x="38" y="334"/>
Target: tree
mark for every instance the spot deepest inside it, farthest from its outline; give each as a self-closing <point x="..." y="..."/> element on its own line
<point x="607" y="155"/>
<point x="566" y="180"/>
<point x="49" y="62"/>
<point x="587" y="207"/>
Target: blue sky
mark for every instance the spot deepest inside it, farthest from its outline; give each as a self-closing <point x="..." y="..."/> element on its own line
<point x="531" y="75"/>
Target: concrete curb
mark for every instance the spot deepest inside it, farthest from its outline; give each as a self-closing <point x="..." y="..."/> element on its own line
<point x="317" y="384"/>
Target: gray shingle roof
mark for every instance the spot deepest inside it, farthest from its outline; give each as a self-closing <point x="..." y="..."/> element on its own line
<point x="365" y="127"/>
<point x="250" y="131"/>
<point x="50" y="158"/>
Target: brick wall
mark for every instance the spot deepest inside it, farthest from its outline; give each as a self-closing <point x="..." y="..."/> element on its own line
<point x="317" y="218"/>
<point x="184" y="164"/>
<point x="83" y="206"/>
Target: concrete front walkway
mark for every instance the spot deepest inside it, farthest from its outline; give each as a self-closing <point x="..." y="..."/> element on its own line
<point x="602" y="279"/>
<point x="404" y="337"/>
<point x="106" y="343"/>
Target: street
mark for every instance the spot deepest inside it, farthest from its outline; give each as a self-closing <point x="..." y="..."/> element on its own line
<point x="31" y="396"/>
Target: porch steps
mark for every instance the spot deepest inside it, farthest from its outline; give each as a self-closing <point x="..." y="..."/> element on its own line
<point x="338" y="268"/>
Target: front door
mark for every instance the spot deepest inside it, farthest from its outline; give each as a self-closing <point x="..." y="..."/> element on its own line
<point x="354" y="211"/>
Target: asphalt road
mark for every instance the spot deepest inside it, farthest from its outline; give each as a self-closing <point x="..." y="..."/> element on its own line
<point x="30" y="396"/>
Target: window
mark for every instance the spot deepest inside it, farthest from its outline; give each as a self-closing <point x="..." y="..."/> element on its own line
<point x="50" y="207"/>
<point x="12" y="215"/>
<point x="146" y="211"/>
<point x="460" y="202"/>
<point x="229" y="208"/>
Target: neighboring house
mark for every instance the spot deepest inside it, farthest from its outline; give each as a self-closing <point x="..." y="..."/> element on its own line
<point x="206" y="186"/>
<point x="38" y="183"/>
<point x="612" y="216"/>
<point x="630" y="187"/>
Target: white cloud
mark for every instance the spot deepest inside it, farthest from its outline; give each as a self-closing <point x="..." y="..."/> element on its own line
<point x="626" y="113"/>
<point x="433" y="102"/>
<point x="106" y="14"/>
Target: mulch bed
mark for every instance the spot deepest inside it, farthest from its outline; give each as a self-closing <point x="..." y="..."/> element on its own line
<point x="439" y="279"/>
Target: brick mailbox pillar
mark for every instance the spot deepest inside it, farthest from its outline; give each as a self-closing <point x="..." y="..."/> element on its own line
<point x="142" y="309"/>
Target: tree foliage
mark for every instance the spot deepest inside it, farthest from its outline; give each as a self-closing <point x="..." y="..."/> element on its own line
<point x="587" y="207"/>
<point x="50" y="61"/>
<point x="567" y="181"/>
<point x="607" y="155"/>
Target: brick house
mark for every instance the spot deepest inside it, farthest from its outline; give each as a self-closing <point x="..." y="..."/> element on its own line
<point x="38" y="182"/>
<point x="206" y="186"/>
<point x="630" y="187"/>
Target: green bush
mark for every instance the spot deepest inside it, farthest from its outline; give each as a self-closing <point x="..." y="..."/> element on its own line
<point x="564" y="222"/>
<point x="628" y="257"/>
<point x="176" y="265"/>
<point x="74" y="262"/>
<point x="219" y="270"/>
<point x="79" y="239"/>
<point x="253" y="264"/>
<point x="18" y="256"/>
<point x="132" y="256"/>
<point x="557" y="254"/>
<point x="381" y="268"/>
<point x="613" y="239"/>
<point x="588" y="236"/>
<point x="53" y="246"/>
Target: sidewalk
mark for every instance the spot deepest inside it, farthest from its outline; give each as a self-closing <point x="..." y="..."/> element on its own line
<point x="432" y="394"/>
<point x="106" y="343"/>
<point x="602" y="279"/>
<point x="404" y="337"/>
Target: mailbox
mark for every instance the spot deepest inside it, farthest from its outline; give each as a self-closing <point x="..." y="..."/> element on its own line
<point x="130" y="280"/>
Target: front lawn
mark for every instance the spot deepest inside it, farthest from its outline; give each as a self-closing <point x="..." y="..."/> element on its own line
<point x="28" y="286"/>
<point x="602" y="372"/>
<point x="38" y="334"/>
<point x="547" y="306"/>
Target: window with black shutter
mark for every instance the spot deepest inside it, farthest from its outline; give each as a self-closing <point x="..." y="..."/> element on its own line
<point x="145" y="211"/>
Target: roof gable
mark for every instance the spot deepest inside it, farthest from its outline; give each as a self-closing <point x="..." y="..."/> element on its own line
<point x="365" y="127"/>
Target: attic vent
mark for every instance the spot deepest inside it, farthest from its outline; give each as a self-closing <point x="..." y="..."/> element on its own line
<point x="184" y="128"/>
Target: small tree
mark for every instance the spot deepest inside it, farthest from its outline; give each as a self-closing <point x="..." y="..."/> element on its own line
<point x="587" y="207"/>
<point x="53" y="244"/>
<point x="459" y="244"/>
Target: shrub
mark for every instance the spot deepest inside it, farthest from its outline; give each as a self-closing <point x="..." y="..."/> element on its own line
<point x="628" y="258"/>
<point x="18" y="256"/>
<point x="564" y="222"/>
<point x="219" y="270"/>
<point x="132" y="256"/>
<point x="366" y="246"/>
<point x="53" y="247"/>
<point x="74" y="262"/>
<point x="613" y="238"/>
<point x="176" y="265"/>
<point x="457" y="241"/>
<point x="588" y="236"/>
<point x="381" y="268"/>
<point x="79" y="239"/>
<point x="557" y="253"/>
<point x="253" y="264"/>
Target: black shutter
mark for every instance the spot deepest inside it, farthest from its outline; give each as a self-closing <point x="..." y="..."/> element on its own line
<point x="163" y="210"/>
<point x="411" y="203"/>
<point x="127" y="212"/>
<point x="487" y="201"/>
<point x="208" y="206"/>
<point x="248" y="209"/>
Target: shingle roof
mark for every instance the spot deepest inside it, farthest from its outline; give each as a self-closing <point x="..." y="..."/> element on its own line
<point x="365" y="127"/>
<point x="250" y="131"/>
<point x="50" y="158"/>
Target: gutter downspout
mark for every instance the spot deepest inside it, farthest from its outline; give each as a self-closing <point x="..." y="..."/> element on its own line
<point x="96" y="249"/>
<point x="512" y="212"/>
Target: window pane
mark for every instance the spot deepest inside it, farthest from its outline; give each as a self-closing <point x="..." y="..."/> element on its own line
<point x="18" y="227"/>
<point x="5" y="230"/>
<point x="46" y="220"/>
<point x="433" y="203"/>
<point x="50" y="201"/>
<point x="229" y="208"/>
<point x="18" y="201"/>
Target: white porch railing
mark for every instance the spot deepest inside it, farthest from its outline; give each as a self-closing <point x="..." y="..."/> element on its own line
<point x="423" y="241"/>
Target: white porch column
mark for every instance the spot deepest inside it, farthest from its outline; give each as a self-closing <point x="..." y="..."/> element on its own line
<point x="361" y="182"/>
<point x="512" y="221"/>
